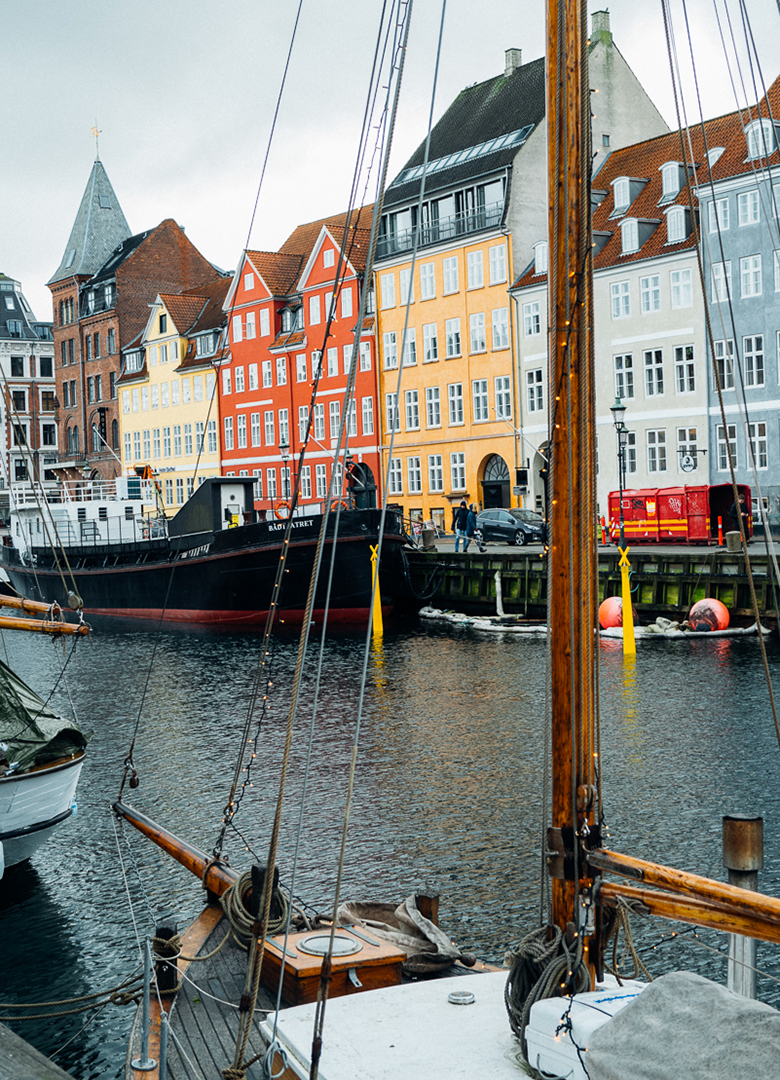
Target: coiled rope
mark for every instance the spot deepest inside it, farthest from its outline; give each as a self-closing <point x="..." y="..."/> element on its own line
<point x="621" y="921"/>
<point x="543" y="966"/>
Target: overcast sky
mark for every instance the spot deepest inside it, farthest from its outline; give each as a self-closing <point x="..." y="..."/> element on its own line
<point x="183" y="92"/>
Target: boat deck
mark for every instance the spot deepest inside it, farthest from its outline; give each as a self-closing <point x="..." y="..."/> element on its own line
<point x="20" y="1061"/>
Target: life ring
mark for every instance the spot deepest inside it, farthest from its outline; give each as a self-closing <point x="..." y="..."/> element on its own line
<point x="339" y="502"/>
<point x="280" y="506"/>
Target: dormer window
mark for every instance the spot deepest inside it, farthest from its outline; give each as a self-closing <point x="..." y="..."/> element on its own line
<point x="761" y="139"/>
<point x="629" y="232"/>
<point x="671" y="180"/>
<point x="675" y="224"/>
<point x="204" y="345"/>
<point x="90" y="301"/>
<point x="540" y="257"/>
<point x="622" y="192"/>
<point x="287" y="320"/>
<point x="714" y="154"/>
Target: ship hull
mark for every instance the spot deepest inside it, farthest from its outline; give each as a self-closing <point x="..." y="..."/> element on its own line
<point x="223" y="578"/>
<point x="32" y="805"/>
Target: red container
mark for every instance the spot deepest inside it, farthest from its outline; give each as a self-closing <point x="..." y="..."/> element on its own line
<point x="675" y="514"/>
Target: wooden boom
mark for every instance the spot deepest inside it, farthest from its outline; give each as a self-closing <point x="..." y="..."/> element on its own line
<point x="43" y="626"/>
<point x="29" y="605"/>
<point x="216" y="876"/>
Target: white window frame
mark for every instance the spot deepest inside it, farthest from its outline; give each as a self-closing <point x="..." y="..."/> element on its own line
<point x="656" y="450"/>
<point x="650" y="293"/>
<point x="620" y="294"/>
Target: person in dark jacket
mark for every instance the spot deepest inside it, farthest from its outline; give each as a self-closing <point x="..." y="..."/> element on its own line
<point x="460" y="520"/>
<point x="735" y="515"/>
<point x="471" y="528"/>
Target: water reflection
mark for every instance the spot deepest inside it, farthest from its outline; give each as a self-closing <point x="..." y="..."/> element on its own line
<point x="448" y="789"/>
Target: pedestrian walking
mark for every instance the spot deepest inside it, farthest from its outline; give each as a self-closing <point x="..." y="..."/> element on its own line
<point x="471" y="529"/>
<point x="460" y="520"/>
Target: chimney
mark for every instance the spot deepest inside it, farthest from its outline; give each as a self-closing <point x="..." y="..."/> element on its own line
<point x="600" y="28"/>
<point x="513" y="59"/>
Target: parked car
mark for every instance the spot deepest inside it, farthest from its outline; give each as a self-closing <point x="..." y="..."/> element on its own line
<point x="515" y="526"/>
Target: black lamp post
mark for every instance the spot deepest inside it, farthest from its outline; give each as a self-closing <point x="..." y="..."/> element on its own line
<point x="618" y="411"/>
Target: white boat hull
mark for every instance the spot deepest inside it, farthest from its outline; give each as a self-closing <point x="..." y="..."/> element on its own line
<point x="32" y="805"/>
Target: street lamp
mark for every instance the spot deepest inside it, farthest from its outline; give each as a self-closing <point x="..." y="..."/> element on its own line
<point x="284" y="450"/>
<point x="618" y="411"/>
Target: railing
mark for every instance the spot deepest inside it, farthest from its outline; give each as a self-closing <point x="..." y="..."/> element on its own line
<point x="434" y="232"/>
<point x="53" y="492"/>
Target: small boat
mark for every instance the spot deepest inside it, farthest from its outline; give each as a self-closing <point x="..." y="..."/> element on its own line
<point x="212" y="563"/>
<point x="41" y="755"/>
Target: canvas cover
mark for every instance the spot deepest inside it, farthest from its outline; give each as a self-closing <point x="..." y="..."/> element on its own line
<point x="33" y="733"/>
<point x="683" y="1025"/>
<point x="428" y="949"/>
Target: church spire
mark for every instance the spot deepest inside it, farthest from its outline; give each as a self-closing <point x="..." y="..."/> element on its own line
<point x="99" y="226"/>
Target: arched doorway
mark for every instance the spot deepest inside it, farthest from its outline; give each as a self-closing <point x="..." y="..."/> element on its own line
<point x="496" y="484"/>
<point x="362" y="487"/>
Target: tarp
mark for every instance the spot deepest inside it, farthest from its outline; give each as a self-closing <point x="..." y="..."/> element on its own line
<point x="428" y="949"/>
<point x="683" y="1025"/>
<point x="33" y="733"/>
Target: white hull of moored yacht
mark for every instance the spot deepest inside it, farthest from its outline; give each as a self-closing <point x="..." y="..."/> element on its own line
<point x="33" y="804"/>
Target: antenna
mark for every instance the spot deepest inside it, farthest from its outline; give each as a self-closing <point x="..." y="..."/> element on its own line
<point x="96" y="132"/>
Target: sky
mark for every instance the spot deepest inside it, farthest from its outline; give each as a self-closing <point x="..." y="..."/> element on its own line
<point x="184" y="91"/>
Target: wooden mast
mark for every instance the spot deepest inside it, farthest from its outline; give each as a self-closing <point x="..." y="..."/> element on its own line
<point x="572" y="573"/>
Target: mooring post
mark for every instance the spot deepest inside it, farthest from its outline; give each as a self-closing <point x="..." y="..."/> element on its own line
<point x="144" y="1063"/>
<point x="166" y="956"/>
<point x="743" y="857"/>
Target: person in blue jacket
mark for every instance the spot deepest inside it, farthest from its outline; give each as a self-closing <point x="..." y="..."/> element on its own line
<point x="471" y="528"/>
<point x="459" y="521"/>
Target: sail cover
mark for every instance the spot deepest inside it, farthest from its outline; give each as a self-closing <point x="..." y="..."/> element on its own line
<point x="33" y="733"/>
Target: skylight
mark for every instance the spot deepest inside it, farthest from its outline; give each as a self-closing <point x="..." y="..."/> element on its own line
<point x="502" y="142"/>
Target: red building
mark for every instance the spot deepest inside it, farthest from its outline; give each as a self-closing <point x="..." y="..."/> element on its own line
<point x="278" y="308"/>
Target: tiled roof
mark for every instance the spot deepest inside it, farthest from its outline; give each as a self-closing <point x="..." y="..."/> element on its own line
<point x="107" y="270"/>
<point x="279" y="270"/>
<point x="192" y="361"/>
<point x="355" y="244"/>
<point x="303" y="239"/>
<point x="183" y="309"/>
<point x="99" y="226"/>
<point x="211" y="316"/>
<point x="288" y="339"/>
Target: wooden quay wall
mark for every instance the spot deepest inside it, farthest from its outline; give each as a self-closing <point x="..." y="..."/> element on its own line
<point x="664" y="581"/>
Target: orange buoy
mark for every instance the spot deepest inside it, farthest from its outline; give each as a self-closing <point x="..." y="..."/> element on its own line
<point x="611" y="612"/>
<point x="709" y="614"/>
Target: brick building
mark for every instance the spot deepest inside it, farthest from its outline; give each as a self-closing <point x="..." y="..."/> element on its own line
<point x="101" y="294"/>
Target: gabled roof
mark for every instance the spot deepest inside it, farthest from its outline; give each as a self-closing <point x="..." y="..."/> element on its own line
<point x="20" y="312"/>
<point x="353" y="243"/>
<point x="107" y="270"/>
<point x="183" y="309"/>
<point x="304" y="237"/>
<point x="211" y="315"/>
<point x="479" y="114"/>
<point x="278" y="270"/>
<point x="99" y="226"/>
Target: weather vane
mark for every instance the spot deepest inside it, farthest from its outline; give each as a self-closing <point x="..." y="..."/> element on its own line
<point x="96" y="132"/>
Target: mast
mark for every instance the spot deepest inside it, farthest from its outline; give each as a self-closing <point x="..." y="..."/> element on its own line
<point x="572" y="573"/>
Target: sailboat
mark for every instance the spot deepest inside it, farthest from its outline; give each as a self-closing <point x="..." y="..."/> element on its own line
<point x="557" y="992"/>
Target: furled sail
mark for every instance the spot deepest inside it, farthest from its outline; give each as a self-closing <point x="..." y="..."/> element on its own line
<point x="30" y="732"/>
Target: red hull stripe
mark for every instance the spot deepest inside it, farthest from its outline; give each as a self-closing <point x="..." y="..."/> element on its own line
<point x="338" y="616"/>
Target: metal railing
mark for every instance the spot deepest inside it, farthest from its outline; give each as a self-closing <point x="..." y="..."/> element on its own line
<point x="434" y="232"/>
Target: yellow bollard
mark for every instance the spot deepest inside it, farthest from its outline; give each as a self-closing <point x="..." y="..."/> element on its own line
<point x="629" y="640"/>
<point x="376" y="611"/>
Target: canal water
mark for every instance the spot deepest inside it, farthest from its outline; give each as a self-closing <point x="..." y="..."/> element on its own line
<point x="449" y="786"/>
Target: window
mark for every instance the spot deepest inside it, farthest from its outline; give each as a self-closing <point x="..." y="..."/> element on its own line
<point x="534" y="382"/>
<point x="414" y="475"/>
<point x="497" y="264"/>
<point x="284" y="427"/>
<point x="49" y="434"/>
<point x="156" y="442"/>
<point x="624" y="376"/>
<point x="654" y="372"/>
<point x="391" y="412"/>
<point x="96" y="346"/>
<point x="427" y="281"/>
<point x="265" y="322"/>
<point x="281" y="371"/>
<point x="147" y="444"/>
<point x="430" y="343"/>
<point x="365" y="355"/>
<point x="328" y="257"/>
<point x="135" y="397"/>
<point x="47" y="401"/>
<point x="164" y="398"/>
<point x="300" y="368"/>
<point x="197" y="388"/>
<point x="432" y="407"/>
<point x="474" y="270"/>
<point x="212" y="436"/>
<point x="316" y="364"/>
<point x="621" y="303"/>
<point x="174" y="392"/>
<point x="390" y="349"/>
<point x="321" y="479"/>
<point x="125" y="400"/>
<point x="435" y="473"/>
<point x="166" y="442"/>
<point x="479" y="391"/>
<point x="541" y="257"/>
<point x="319" y="421"/>
<point x="721" y="281"/>
<point x="718" y="211"/>
<point x="250" y="328"/>
<point x="629" y="235"/>
<point x="621" y="191"/>
<point x="188" y="438"/>
<point x="19" y="398"/>
<point x="306" y="481"/>
<point x="747" y="208"/>
<point x="254" y="427"/>
<point x="723" y="447"/>
<point x="760" y="136"/>
<point x="656" y="451"/>
<point x="724" y="363"/>
<point x="753" y="359"/>
<point x="136" y="445"/>
<point x="670" y="179"/>
<point x="687" y="447"/>
<point x="346" y="303"/>
<point x="333" y="361"/>
<point x="452" y="337"/>
<point x="682" y="291"/>
<point x="684" y="369"/>
<point x="268" y="423"/>
<point x="314" y="310"/>
<point x="630" y="452"/>
<point x="503" y="398"/>
<point x="241" y="431"/>
<point x="477" y="332"/>
<point x="407" y="286"/>
<point x="253" y="384"/>
<point x="268" y="373"/>
<point x="758" y="444"/>
<point x="410" y="347"/>
<point x="239" y="380"/>
<point x="450" y="274"/>
<point x="368" y="415"/>
<point x="387" y="290"/>
<point x="236" y="328"/>
<point x="249" y="282"/>
<point x="750" y="275"/>
<point x="303" y="421"/>
<point x="675" y="225"/>
<point x="500" y="321"/>
<point x="458" y="471"/>
<point x="650" y="293"/>
<point x="455" y="399"/>
<point x="227" y="386"/>
<point x="412" y="402"/>
<point x="285" y="478"/>
<point x="334" y="418"/>
<point x="177" y="440"/>
<point x="532" y="319"/>
<point x="270" y="482"/>
<point x="396" y="485"/>
<point x="145" y="398"/>
<point x="228" y="434"/>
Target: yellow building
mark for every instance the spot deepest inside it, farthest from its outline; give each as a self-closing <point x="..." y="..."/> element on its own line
<point x="169" y="416"/>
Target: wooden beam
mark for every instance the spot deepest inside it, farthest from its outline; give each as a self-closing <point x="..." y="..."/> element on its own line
<point x="43" y="626"/>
